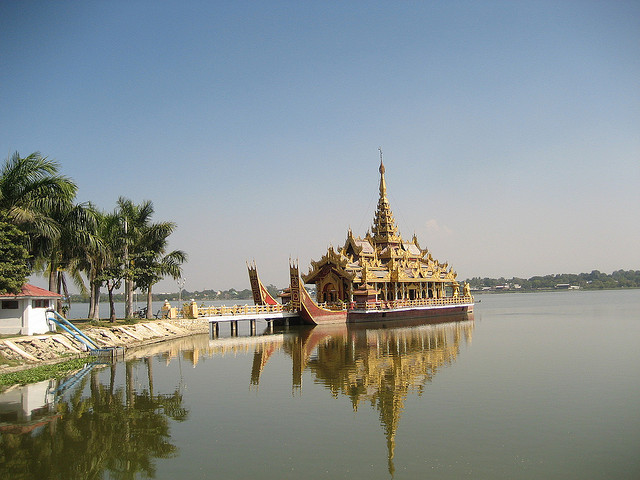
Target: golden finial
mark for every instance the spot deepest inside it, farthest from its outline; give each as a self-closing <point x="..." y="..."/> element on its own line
<point x="383" y="184"/>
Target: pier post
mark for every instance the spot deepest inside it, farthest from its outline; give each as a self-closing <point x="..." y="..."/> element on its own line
<point x="270" y="325"/>
<point x="214" y="330"/>
<point x="253" y="327"/>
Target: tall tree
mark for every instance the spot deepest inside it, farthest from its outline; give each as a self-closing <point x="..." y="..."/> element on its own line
<point x="152" y="263"/>
<point x="135" y="219"/>
<point x="108" y="260"/>
<point x="63" y="256"/>
<point x="97" y="256"/>
<point x="30" y="189"/>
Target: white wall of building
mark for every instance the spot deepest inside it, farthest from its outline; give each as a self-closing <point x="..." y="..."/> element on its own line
<point x="11" y="319"/>
<point x="36" y="319"/>
<point x="26" y="319"/>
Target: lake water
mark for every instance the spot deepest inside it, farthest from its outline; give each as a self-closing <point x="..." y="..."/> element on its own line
<point x="543" y="385"/>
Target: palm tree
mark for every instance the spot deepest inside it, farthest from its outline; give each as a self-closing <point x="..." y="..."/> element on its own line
<point x="31" y="188"/>
<point x="64" y="255"/>
<point x="106" y="261"/>
<point x="152" y="263"/>
<point x="128" y="247"/>
<point x="135" y="219"/>
<point x="94" y="260"/>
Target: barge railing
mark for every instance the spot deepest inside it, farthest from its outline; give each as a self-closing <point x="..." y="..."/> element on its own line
<point x="214" y="311"/>
<point x="391" y="304"/>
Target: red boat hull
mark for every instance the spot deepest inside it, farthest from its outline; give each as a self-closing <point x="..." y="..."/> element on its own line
<point x="312" y="314"/>
<point x="438" y="314"/>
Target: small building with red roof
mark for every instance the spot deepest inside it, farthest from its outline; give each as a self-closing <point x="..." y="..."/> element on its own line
<point x="24" y="313"/>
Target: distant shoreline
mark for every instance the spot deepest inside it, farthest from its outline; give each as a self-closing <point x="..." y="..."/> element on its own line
<point x="548" y="290"/>
<point x="596" y="280"/>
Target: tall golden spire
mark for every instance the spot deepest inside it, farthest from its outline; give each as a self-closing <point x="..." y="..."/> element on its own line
<point x="383" y="184"/>
<point x="384" y="229"/>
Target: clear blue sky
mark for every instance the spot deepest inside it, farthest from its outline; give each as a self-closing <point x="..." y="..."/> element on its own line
<point x="510" y="129"/>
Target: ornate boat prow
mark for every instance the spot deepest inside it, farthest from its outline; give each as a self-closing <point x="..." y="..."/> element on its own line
<point x="309" y="311"/>
<point x="261" y="295"/>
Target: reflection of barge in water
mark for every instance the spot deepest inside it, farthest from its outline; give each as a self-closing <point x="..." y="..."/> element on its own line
<point x="378" y="277"/>
<point x="374" y="363"/>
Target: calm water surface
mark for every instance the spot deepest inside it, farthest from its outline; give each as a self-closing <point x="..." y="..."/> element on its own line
<point x="538" y="386"/>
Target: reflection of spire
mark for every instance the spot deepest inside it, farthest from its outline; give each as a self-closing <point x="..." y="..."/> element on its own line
<point x="391" y="403"/>
<point x="384" y="366"/>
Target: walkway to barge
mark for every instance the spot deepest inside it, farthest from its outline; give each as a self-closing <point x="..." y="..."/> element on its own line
<point x="233" y="319"/>
<point x="216" y="315"/>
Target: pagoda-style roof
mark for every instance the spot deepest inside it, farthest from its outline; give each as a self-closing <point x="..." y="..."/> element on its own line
<point x="382" y="255"/>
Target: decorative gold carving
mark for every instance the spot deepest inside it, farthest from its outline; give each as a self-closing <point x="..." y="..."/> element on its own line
<point x="294" y="284"/>
<point x="383" y="258"/>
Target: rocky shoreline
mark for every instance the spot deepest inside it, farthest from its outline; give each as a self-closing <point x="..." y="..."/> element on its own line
<point x="31" y="351"/>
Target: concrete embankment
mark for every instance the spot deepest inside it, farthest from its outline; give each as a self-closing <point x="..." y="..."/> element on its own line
<point x="30" y="351"/>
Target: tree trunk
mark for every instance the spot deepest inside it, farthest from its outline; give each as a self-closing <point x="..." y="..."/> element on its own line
<point x="96" y="301"/>
<point x="59" y="291"/>
<point x="95" y="388"/>
<point x="149" y="303"/>
<point x="149" y="361"/>
<point x="128" y="284"/>
<point x="112" y="380"/>
<point x="92" y="301"/>
<point x="65" y="290"/>
<point x="53" y="283"/>
<point x="92" y="297"/>
<point x="129" y="384"/>
<point x="52" y="276"/>
<point x="112" y="307"/>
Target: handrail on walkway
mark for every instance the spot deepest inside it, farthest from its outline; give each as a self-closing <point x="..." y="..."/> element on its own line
<point x="222" y="310"/>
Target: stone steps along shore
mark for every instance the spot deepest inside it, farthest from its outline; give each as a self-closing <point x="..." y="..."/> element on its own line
<point x="36" y="350"/>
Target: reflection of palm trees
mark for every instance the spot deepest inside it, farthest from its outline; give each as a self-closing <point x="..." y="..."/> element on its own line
<point x="114" y="429"/>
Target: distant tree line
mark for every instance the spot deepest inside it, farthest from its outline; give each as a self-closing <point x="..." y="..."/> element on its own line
<point x="44" y="230"/>
<point x="589" y="281"/>
<point x="202" y="295"/>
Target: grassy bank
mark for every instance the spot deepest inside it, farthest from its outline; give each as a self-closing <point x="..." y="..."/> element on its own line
<point x="42" y="372"/>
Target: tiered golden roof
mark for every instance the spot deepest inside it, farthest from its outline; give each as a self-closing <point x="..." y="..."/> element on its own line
<point x="397" y="268"/>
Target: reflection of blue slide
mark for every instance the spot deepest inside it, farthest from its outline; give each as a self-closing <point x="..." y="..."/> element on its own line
<point x="76" y="377"/>
<point x="73" y="379"/>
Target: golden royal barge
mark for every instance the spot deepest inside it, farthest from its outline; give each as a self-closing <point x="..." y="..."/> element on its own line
<point x="378" y="277"/>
